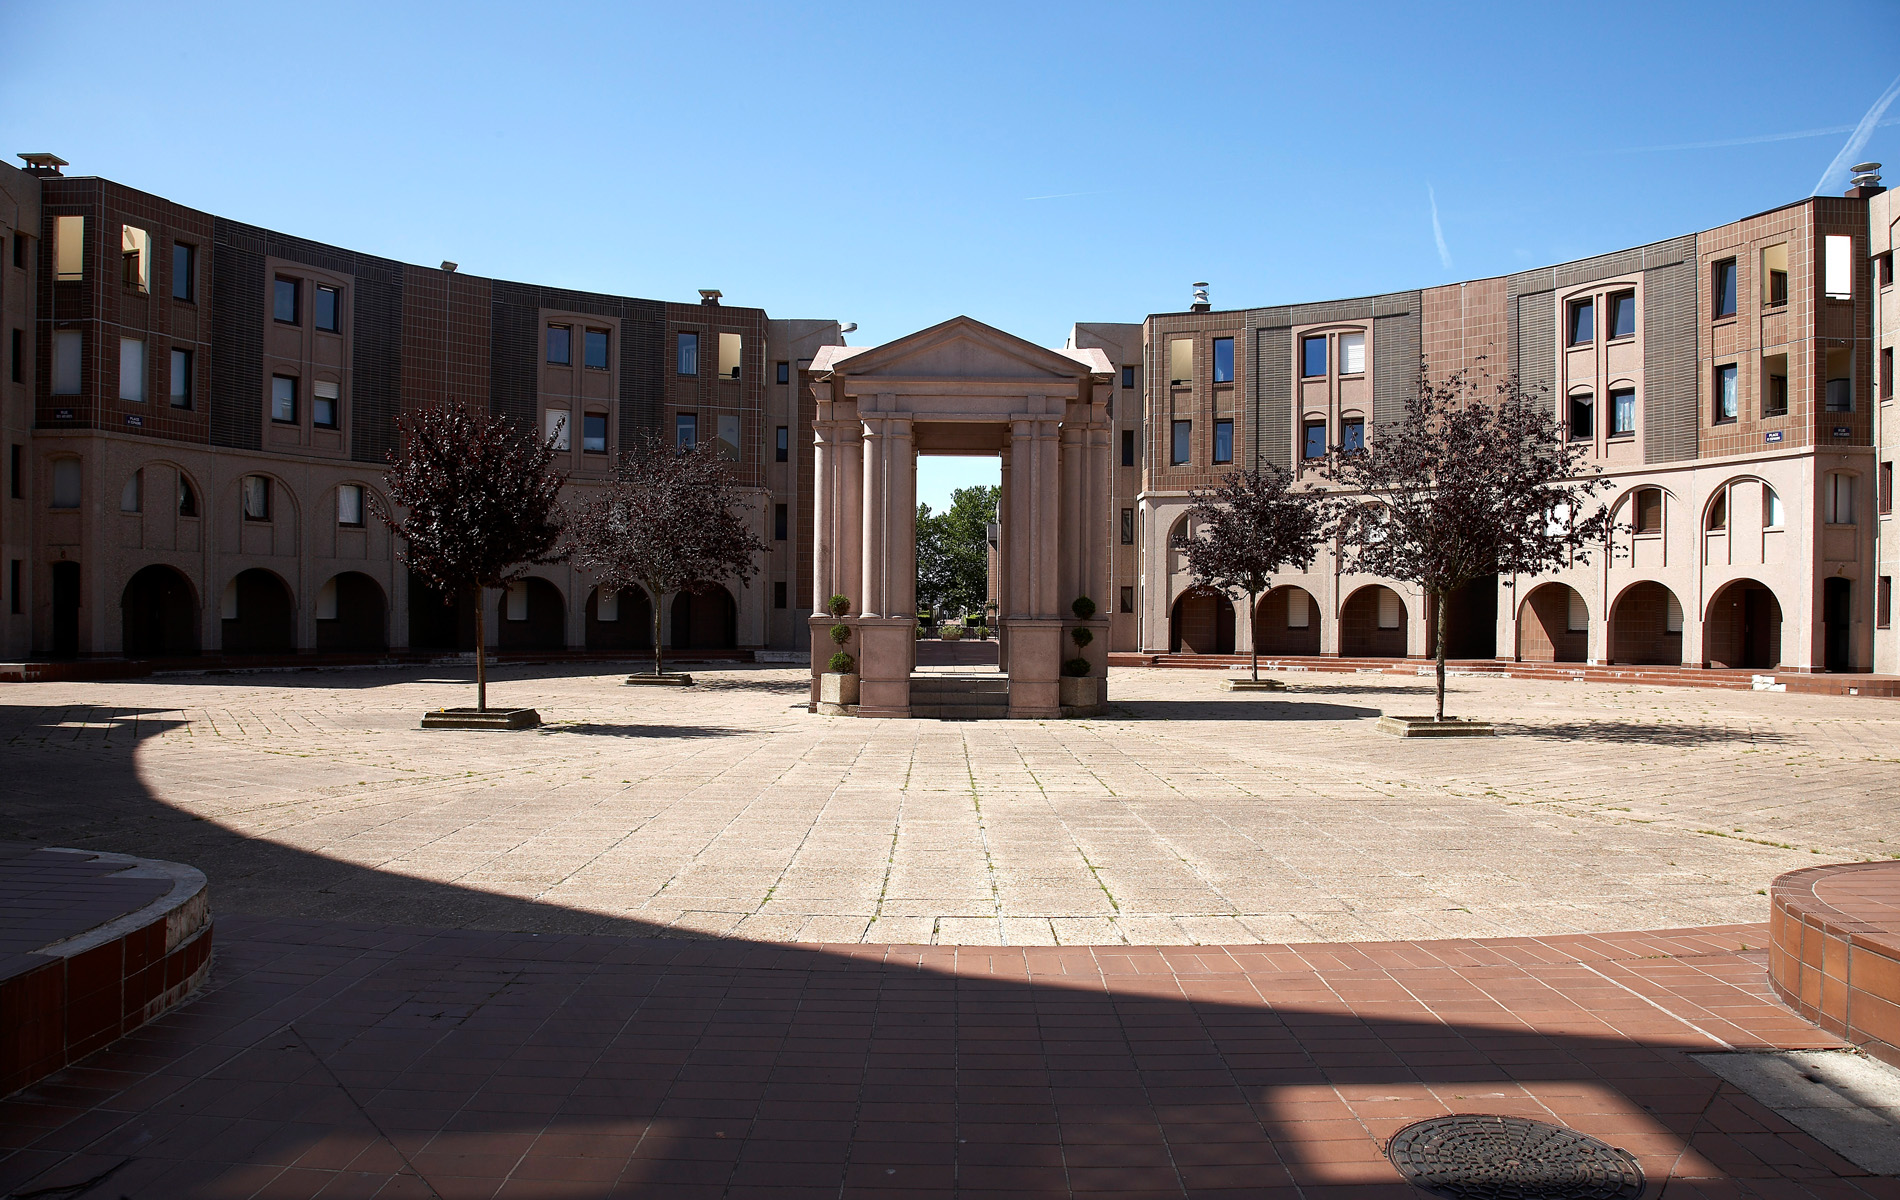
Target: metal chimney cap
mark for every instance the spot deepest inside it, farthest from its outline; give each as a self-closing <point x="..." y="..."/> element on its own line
<point x="1863" y="168"/>
<point x="449" y="266"/>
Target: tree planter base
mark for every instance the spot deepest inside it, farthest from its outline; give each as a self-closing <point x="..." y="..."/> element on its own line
<point x="837" y="694"/>
<point x="666" y="680"/>
<point x="1080" y="696"/>
<point x="474" y="718"/>
<point x="1431" y="727"/>
<point x="1252" y="685"/>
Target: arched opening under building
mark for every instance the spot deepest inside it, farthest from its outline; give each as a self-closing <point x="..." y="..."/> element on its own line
<point x="1742" y="628"/>
<point x="159" y="611"/>
<point x="438" y="621"/>
<point x="259" y="614"/>
<point x="1372" y="624"/>
<point x="1286" y="622"/>
<point x="65" y="609"/>
<point x="352" y="614"/>
<point x="705" y="620"/>
<point x="1471" y="621"/>
<point x="619" y="620"/>
<point x="1553" y="625"/>
<point x="1646" y="626"/>
<point x="531" y="614"/>
<point x="1202" y="623"/>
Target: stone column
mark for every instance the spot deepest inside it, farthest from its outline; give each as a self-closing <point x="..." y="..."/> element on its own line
<point x="889" y="565"/>
<point x="1035" y="624"/>
<point x="999" y="623"/>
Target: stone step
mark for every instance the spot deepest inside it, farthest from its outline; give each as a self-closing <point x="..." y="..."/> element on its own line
<point x="980" y="698"/>
<point x="959" y="712"/>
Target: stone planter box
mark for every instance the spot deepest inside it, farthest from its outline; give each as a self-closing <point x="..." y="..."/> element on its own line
<point x="837" y="694"/>
<point x="670" y="679"/>
<point x="472" y="718"/>
<point x="951" y="634"/>
<point x="1430" y="727"/>
<point x="1081" y="696"/>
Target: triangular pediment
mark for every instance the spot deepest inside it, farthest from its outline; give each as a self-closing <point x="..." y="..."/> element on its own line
<point x="965" y="349"/>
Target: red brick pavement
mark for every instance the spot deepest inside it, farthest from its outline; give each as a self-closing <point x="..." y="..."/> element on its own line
<point x="355" y="1061"/>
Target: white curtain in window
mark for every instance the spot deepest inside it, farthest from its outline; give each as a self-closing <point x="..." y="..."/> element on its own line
<point x="256" y="498"/>
<point x="1352" y="353"/>
<point x="132" y="369"/>
<point x="326" y="601"/>
<point x="1391" y="609"/>
<point x="1840" y="266"/>
<point x="518" y="600"/>
<point x="1579" y="615"/>
<point x="1840" y="498"/>
<point x="132" y="499"/>
<point x="67" y="355"/>
<point x="1299" y="610"/>
<point x="349" y="505"/>
<point x="1672" y="618"/>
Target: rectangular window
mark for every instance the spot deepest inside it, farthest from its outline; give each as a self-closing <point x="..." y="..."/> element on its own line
<point x="1313" y="440"/>
<point x="1128" y="598"/>
<point x="686" y="430"/>
<point x="1352" y="435"/>
<point x="594" y="352"/>
<point x="1649" y="510"/>
<point x="181" y="379"/>
<point x="1840" y="381"/>
<point x="132" y="498"/>
<point x="66" y="361"/>
<point x="1128" y="447"/>
<point x="1352" y="354"/>
<point x="1577" y="618"/>
<point x="329" y="309"/>
<point x="1312" y="357"/>
<point x="1391" y="609"/>
<point x="729" y="437"/>
<point x="783" y="451"/>
<point x="1622" y="412"/>
<point x="66" y="480"/>
<point x="1838" y="498"/>
<point x="135" y="252"/>
<point x="1774" y="275"/>
<point x="560" y="345"/>
<point x="13" y="586"/>
<point x="558" y="429"/>
<point x="1883" y="263"/>
<point x="1623" y="315"/>
<point x="781" y="522"/>
<point x="1181" y="361"/>
<point x="1770" y="509"/>
<point x="187" y="499"/>
<point x="326" y="404"/>
<point x="349" y="504"/>
<point x="283" y="399"/>
<point x="1886" y="488"/>
<point x="132" y="370"/>
<point x="778" y="593"/>
<point x="19" y="249"/>
<point x="1583" y="417"/>
<point x="69" y="248"/>
<point x="1128" y="377"/>
<point x="594" y="433"/>
<point x="1299" y="610"/>
<point x="256" y="495"/>
<point x="1774" y="389"/>
<point x="686" y="359"/>
<point x="1223" y="441"/>
<point x="1182" y="430"/>
<point x="1886" y="369"/>
<point x="1883" y="602"/>
<point x="284" y="301"/>
<point x="1722" y="288"/>
<point x="515" y="605"/>
<point x="1128" y="526"/>
<point x="16" y="478"/>
<point x="1727" y="395"/>
<point x="184" y="271"/>
<point x="730" y="348"/>
<point x="1583" y="323"/>
<point x="1839" y="267"/>
<point x="1223" y="360"/>
<point x="784" y="372"/>
<point x="18" y="364"/>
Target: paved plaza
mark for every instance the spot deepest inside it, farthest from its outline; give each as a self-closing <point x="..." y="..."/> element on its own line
<point x="1186" y="816"/>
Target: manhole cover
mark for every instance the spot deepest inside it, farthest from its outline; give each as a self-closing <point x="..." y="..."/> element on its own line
<point x="1511" y="1158"/>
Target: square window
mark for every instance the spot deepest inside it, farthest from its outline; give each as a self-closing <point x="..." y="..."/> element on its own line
<point x="778" y="593"/>
<point x="1128" y="447"/>
<point x="594" y="433"/>
<point x="784" y="448"/>
<point x="1352" y="435"/>
<point x="1128" y="377"/>
<point x="1312" y="357"/>
<point x="284" y="294"/>
<point x="1352" y="354"/>
<point x="1128" y="598"/>
<point x="1128" y="526"/>
<point x="1313" y="440"/>
<point x="1223" y="360"/>
<point x="1622" y="411"/>
<point x="686" y="360"/>
<point x="283" y="399"/>
<point x="329" y="309"/>
<point x="1727" y="394"/>
<point x="781" y="522"/>
<point x="132" y="370"/>
<point x="1223" y="441"/>
<point x="349" y="504"/>
<point x="326" y="403"/>
<point x="256" y="498"/>
<point x="181" y="384"/>
<point x="1623" y="315"/>
<point x="596" y="350"/>
<point x="1181" y="361"/>
<point x="686" y="430"/>
<point x="1182" y="432"/>
<point x="729" y="437"/>
<point x="184" y="272"/>
<point x="560" y="345"/>
<point x="1723" y="288"/>
<point x="1583" y="421"/>
<point x="784" y="372"/>
<point x="558" y="429"/>
<point x="1583" y="323"/>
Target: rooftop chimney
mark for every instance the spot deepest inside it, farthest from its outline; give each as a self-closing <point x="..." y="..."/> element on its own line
<point x="709" y="296"/>
<point x="1200" y="299"/>
<point x="448" y="266"/>
<point x="1866" y="181"/>
<point x="44" y="164"/>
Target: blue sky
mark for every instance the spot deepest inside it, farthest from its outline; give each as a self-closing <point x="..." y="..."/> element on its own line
<point x="1031" y="165"/>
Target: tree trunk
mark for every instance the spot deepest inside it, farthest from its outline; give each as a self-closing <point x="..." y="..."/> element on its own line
<point x="656" y="632"/>
<point x="1443" y="622"/>
<point x="1253" y="634"/>
<point x="481" y="652"/>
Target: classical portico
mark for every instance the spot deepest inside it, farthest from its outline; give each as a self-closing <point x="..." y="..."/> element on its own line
<point x="961" y="388"/>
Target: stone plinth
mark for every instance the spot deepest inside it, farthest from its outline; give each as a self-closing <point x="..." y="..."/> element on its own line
<point x="475" y="718"/>
<point x="1431" y="727"/>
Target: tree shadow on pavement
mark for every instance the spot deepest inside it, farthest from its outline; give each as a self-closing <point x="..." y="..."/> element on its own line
<point x="603" y="729"/>
<point x="1639" y="733"/>
<point x="1241" y="707"/>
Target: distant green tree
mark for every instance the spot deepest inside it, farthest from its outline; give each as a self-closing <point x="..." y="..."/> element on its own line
<point x="953" y="566"/>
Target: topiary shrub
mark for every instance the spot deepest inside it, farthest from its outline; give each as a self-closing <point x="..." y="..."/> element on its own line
<point x="842" y="663"/>
<point x="1083" y="608"/>
<point x="840" y="633"/>
<point x="838" y="606"/>
<point x="1076" y="667"/>
<point x="982" y="632"/>
<point x="1080" y="636"/>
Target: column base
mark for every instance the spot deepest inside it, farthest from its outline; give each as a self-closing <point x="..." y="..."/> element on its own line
<point x="1035" y="668"/>
<point x="884" y="647"/>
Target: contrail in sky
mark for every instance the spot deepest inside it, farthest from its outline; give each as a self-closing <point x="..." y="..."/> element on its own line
<point x="1751" y="140"/>
<point x="1857" y="140"/>
<point x="1438" y="231"/>
<point x="1066" y="195"/>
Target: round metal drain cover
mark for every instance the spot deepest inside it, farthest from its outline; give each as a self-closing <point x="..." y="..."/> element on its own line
<point x="1511" y="1158"/>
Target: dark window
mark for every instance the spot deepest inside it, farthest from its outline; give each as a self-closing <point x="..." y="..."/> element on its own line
<point x="1718" y="512"/>
<point x="784" y="444"/>
<point x="781" y="520"/>
<point x="1182" y="429"/>
<point x="1312" y="357"/>
<point x="594" y="433"/>
<point x="1623" y="315"/>
<point x="1128" y="377"/>
<point x="283" y="399"/>
<point x="326" y="404"/>
<point x="256" y="498"/>
<point x="1223" y="360"/>
<point x="329" y="306"/>
<point x="13" y="583"/>
<point x="1622" y="411"/>
<point x="1727" y="394"/>
<point x="1723" y="288"/>
<point x="1649" y="510"/>
<point x="785" y="373"/>
<point x="1840" y="392"/>
<point x="1352" y="435"/>
<point x="1128" y="526"/>
<point x="1583" y="417"/>
<point x="688" y="354"/>
<point x="1583" y="323"/>
<point x="19" y="354"/>
<point x="1313" y="443"/>
<point x="778" y="594"/>
<point x="686" y="430"/>
<point x="184" y="271"/>
<point x="1886" y="367"/>
<point x="1883" y="263"/>
<point x="560" y="345"/>
<point x="1886" y="487"/>
<point x="1774" y="401"/>
<point x="1777" y="288"/>
<point x="1128" y="598"/>
<point x="1223" y="441"/>
<point x="1128" y="447"/>
<point x="595" y="349"/>
<point x="1883" y="601"/>
<point x="19" y="260"/>
<point x="182" y="378"/>
<point x="16" y="480"/>
<point x="284" y="301"/>
<point x="187" y="499"/>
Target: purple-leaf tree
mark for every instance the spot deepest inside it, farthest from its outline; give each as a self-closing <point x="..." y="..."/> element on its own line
<point x="480" y="503"/>
<point x="1479" y="479"/>
<point x="1251" y="525"/>
<point x="670" y="520"/>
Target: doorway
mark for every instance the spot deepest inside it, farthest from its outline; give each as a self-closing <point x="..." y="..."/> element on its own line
<point x="65" y="610"/>
<point x="1837" y="616"/>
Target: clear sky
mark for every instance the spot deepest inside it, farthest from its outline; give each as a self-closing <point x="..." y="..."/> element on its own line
<point x="895" y="164"/>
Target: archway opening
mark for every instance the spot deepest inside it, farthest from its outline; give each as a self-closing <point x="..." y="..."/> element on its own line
<point x="1471" y="621"/>
<point x="352" y="614"/>
<point x="159" y="611"/>
<point x="1646" y="626"/>
<point x="1202" y="623"/>
<point x="259" y="615"/>
<point x="705" y="620"/>
<point x="1373" y="624"/>
<point x="1743" y="627"/>
<point x="1553" y="625"/>
<point x="619" y="620"/>
<point x="438" y="621"/>
<point x="1286" y="622"/>
<point x="530" y="615"/>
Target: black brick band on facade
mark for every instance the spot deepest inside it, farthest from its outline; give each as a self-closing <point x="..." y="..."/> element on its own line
<point x="1396" y="331"/>
<point x="1397" y="354"/>
<point x="1273" y="397"/>
<point x="515" y="353"/>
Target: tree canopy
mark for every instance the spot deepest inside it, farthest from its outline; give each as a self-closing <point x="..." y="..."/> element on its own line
<point x="1250" y="525"/>
<point x="953" y="568"/>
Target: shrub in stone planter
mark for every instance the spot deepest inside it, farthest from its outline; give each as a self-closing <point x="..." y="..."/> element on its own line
<point x="1076" y="668"/>
<point x="843" y="664"/>
<point x="951" y="633"/>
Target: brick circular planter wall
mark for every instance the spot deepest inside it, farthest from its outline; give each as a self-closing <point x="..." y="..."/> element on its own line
<point x="1834" y="951"/>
